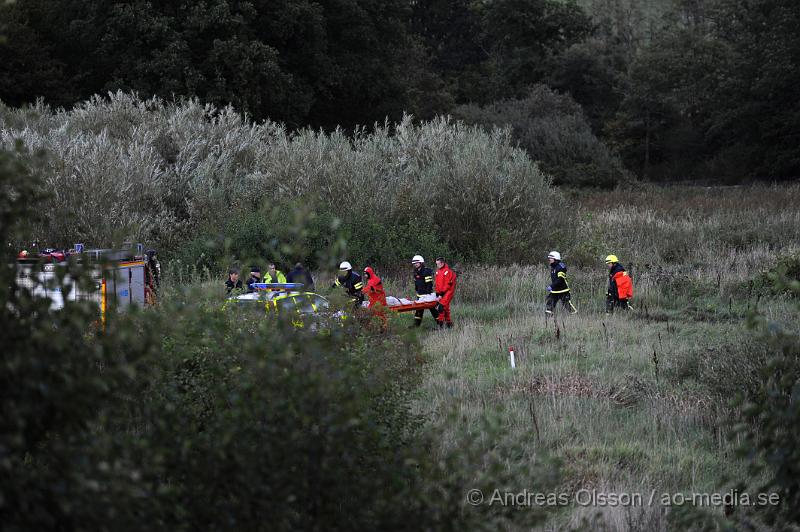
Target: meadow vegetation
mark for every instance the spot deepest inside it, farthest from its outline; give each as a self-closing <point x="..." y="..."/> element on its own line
<point x="644" y="401"/>
<point x="193" y="415"/>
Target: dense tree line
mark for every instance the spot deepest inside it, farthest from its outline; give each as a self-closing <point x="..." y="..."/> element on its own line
<point x="706" y="90"/>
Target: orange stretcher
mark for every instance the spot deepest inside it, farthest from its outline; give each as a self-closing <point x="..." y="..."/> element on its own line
<point x="413" y="306"/>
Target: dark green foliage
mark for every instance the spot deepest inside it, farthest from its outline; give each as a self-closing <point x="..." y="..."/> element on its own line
<point x="253" y="237"/>
<point x="282" y="232"/>
<point x="321" y="63"/>
<point x="489" y="51"/>
<point x="772" y="281"/>
<point x="712" y="96"/>
<point x="553" y="130"/>
<point x="591" y="72"/>
<point x="770" y="418"/>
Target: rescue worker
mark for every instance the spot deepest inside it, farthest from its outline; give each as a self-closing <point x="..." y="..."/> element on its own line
<point x="445" y="286"/>
<point x="376" y="295"/>
<point x="558" y="290"/>
<point x="274" y="275"/>
<point x="300" y="275"/>
<point x="423" y="286"/>
<point x="620" y="286"/>
<point x="255" y="277"/>
<point x="351" y="282"/>
<point x="373" y="288"/>
<point x="233" y="282"/>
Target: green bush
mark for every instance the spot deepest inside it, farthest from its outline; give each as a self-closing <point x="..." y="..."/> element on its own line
<point x="772" y="281"/>
<point x="552" y="128"/>
<point x="767" y="426"/>
<point x="269" y="234"/>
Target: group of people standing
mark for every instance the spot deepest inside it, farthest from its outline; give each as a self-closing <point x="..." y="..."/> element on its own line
<point x="273" y="275"/>
<point x="429" y="286"/>
<point x="620" y="286"/>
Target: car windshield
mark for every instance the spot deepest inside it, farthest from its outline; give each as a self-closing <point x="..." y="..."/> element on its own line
<point x="319" y="301"/>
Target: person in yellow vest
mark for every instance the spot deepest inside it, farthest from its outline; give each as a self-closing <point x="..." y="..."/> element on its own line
<point x="274" y="275"/>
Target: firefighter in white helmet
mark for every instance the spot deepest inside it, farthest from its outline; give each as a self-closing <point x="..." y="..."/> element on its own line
<point x="558" y="290"/>
<point x="351" y="281"/>
<point x="423" y="286"/>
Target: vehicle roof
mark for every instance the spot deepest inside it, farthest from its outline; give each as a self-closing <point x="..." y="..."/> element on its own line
<point x="269" y="295"/>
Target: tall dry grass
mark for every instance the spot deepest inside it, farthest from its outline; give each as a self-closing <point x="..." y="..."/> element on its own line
<point x="708" y="231"/>
<point x="630" y="403"/>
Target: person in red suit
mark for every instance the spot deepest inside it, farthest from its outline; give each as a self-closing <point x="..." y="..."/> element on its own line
<point x="373" y="290"/>
<point x="445" y="286"/>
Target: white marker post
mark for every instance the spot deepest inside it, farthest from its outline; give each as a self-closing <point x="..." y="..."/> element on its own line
<point x="511" y="357"/>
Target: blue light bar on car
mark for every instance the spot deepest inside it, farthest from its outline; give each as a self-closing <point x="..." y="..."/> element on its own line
<point x="278" y="287"/>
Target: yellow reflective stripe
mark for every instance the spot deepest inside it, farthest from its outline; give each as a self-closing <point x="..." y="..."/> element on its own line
<point x="562" y="275"/>
<point x="337" y="283"/>
<point x="358" y="285"/>
<point x="428" y="279"/>
<point x="559" y="291"/>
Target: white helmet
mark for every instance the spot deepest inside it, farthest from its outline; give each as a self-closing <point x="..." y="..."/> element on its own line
<point x="416" y="259"/>
<point x="554" y="255"/>
<point x="345" y="266"/>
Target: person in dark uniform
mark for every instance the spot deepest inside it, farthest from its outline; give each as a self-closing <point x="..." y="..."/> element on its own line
<point x="255" y="277"/>
<point x="558" y="290"/>
<point x="300" y="275"/>
<point x="423" y="286"/>
<point x="351" y="282"/>
<point x="233" y="282"/>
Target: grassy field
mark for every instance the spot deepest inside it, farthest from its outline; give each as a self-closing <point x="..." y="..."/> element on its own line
<point x="636" y="403"/>
<point x="628" y="403"/>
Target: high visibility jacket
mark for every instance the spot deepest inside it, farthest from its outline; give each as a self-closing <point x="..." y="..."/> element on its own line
<point x="558" y="278"/>
<point x="620" y="285"/>
<point x="374" y="288"/>
<point x="423" y="281"/>
<point x="352" y="284"/>
<point x="279" y="277"/>
<point x="445" y="284"/>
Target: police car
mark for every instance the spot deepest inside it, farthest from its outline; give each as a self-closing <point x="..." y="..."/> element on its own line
<point x="284" y="299"/>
